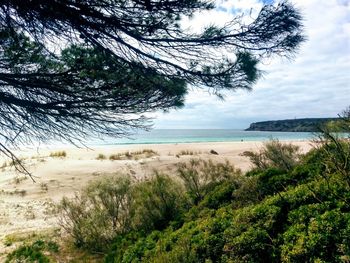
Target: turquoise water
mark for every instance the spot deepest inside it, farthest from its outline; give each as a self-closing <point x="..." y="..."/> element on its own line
<point x="162" y="136"/>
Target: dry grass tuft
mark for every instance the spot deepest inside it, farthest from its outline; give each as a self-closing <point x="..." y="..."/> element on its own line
<point x="59" y="154"/>
<point x="15" y="192"/>
<point x="101" y="157"/>
<point x="44" y="187"/>
<point x="188" y="152"/>
<point x="136" y="155"/>
<point x="19" y="179"/>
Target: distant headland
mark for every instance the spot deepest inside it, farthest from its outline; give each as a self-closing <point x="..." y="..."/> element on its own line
<point x="292" y="125"/>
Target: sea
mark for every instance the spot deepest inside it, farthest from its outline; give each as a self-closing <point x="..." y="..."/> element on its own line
<point x="166" y="136"/>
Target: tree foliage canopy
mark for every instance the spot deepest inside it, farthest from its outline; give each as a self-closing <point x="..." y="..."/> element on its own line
<point x="71" y="68"/>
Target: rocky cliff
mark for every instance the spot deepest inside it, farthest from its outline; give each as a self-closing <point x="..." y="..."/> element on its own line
<point x="294" y="125"/>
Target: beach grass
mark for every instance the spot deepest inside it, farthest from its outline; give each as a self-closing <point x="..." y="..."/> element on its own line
<point x="58" y="154"/>
<point x="135" y="155"/>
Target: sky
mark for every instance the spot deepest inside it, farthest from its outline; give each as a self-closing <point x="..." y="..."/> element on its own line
<point x="316" y="83"/>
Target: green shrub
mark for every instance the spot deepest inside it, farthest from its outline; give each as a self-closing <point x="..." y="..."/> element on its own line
<point x="295" y="209"/>
<point x="120" y="244"/>
<point x="200" y="176"/>
<point x="27" y="254"/>
<point x="33" y="253"/>
<point x="275" y="154"/>
<point x="336" y="155"/>
<point x="325" y="237"/>
<point x="99" y="213"/>
<point x="238" y="191"/>
<point x="221" y="195"/>
<point x="158" y="201"/>
<point x="308" y="219"/>
<point x="272" y="180"/>
<point x="52" y="247"/>
<point x="113" y="206"/>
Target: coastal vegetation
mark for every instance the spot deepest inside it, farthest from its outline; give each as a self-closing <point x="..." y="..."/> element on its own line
<point x="290" y="207"/>
<point x="275" y="154"/>
<point x="101" y="157"/>
<point x="188" y="152"/>
<point x="128" y="155"/>
<point x="59" y="154"/>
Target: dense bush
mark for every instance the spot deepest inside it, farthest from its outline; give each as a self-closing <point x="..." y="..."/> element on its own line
<point x="323" y="236"/>
<point x="296" y="209"/>
<point x="336" y="155"/>
<point x="157" y="202"/>
<point x="115" y="207"/>
<point x="200" y="176"/>
<point x="276" y="155"/>
<point x="305" y="222"/>
<point x="297" y="215"/>
<point x="34" y="252"/>
<point x="100" y="212"/>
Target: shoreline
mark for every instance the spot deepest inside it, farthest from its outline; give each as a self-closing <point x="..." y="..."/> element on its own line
<point x="190" y="142"/>
<point x="157" y="137"/>
<point x="156" y="144"/>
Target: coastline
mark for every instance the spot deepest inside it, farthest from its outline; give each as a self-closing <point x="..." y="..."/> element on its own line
<point x="172" y="136"/>
<point x="28" y="206"/>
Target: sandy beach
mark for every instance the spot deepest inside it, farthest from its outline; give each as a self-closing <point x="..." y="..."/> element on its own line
<point x="29" y="206"/>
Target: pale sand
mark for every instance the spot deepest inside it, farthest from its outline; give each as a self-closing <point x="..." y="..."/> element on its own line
<point x="58" y="177"/>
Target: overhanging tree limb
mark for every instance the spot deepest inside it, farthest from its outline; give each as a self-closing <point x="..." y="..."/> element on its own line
<point x="121" y="59"/>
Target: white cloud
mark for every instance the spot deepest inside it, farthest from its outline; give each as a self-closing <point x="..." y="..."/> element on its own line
<point x="315" y="84"/>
